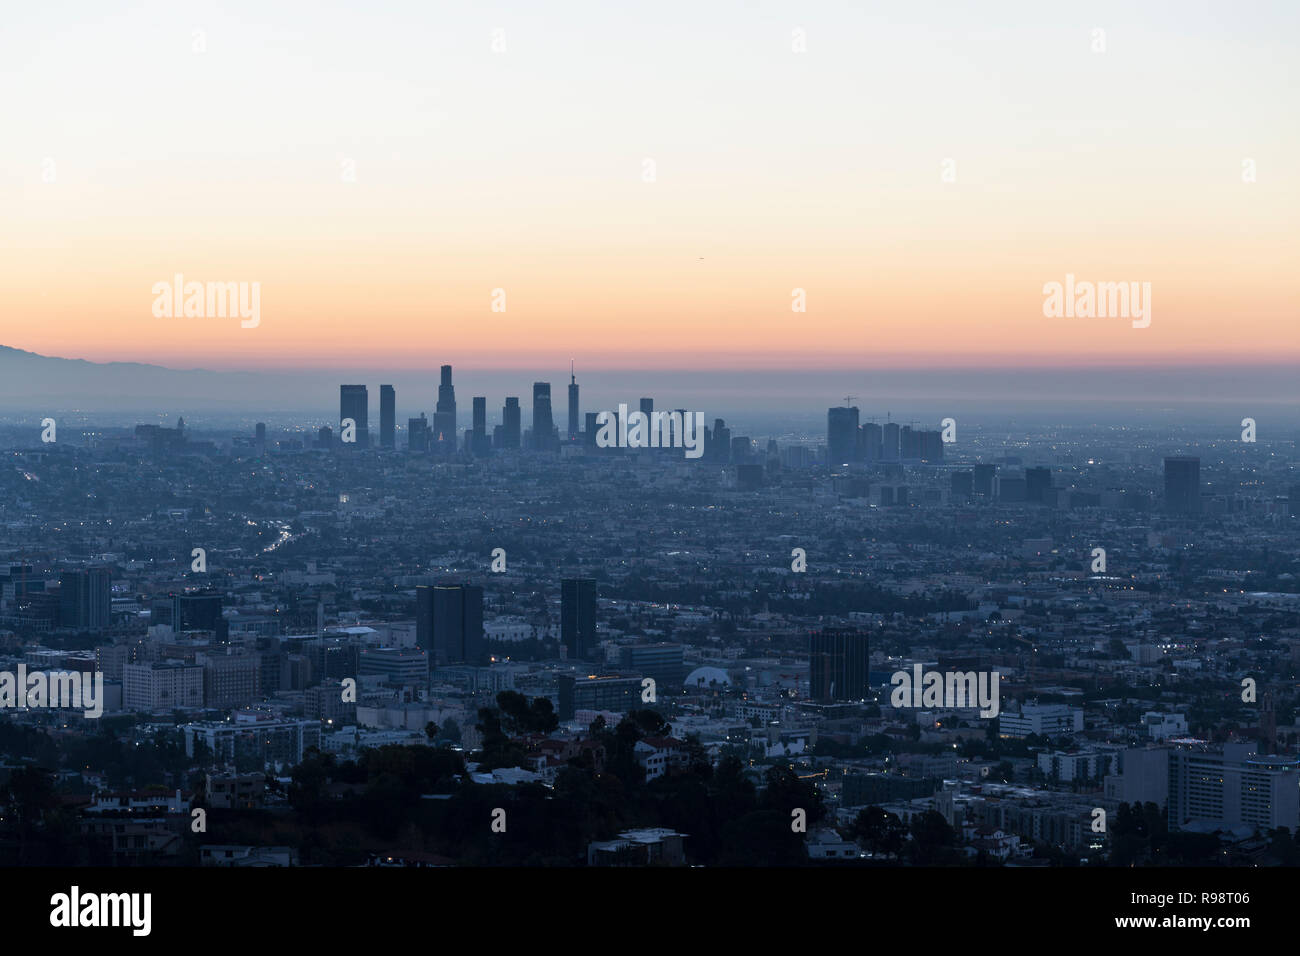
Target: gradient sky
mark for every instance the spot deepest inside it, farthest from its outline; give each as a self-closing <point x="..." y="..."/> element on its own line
<point x="522" y="170"/>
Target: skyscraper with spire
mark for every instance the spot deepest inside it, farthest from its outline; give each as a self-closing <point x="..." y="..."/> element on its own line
<point x="573" y="404"/>
<point x="444" y="415"/>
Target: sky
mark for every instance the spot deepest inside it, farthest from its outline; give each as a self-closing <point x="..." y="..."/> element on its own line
<point x="920" y="171"/>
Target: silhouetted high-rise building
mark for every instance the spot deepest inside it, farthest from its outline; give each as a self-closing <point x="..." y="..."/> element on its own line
<point x="663" y="663"/>
<point x="354" y="403"/>
<point x="1183" y="484"/>
<point x="1293" y="501"/>
<point x="85" y="599"/>
<point x="387" y="416"/>
<point x="873" y="442"/>
<point x="259" y="435"/>
<point x="449" y="623"/>
<point x="578" y="617"/>
<point x="1038" y="485"/>
<point x="444" y="415"/>
<point x="480" y="441"/>
<point x="543" y="422"/>
<point x="325" y="437"/>
<point x="908" y="446"/>
<point x="984" y="476"/>
<point x="841" y="435"/>
<point x="890" y="435"/>
<point x="717" y="443"/>
<point x="417" y="434"/>
<point x="510" y="425"/>
<point x="199" y="611"/>
<point x="838" y="661"/>
<point x="930" y="446"/>
<point x="573" y="404"/>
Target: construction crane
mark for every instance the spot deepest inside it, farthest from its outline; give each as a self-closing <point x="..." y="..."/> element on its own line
<point x="847" y="399"/>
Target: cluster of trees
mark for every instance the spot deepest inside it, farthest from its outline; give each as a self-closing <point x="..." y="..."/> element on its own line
<point x="933" y="842"/>
<point x="1140" y="836"/>
<point x="728" y="819"/>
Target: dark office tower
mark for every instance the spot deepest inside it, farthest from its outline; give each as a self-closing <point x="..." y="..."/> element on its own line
<point x="873" y="442"/>
<point x="963" y="485"/>
<point x="907" y="443"/>
<point x="354" y="403"/>
<point x="199" y="611"/>
<point x="480" y="442"/>
<point x="325" y="437"/>
<point x="444" y="415"/>
<point x="417" y="433"/>
<point x="1183" y="485"/>
<point x="838" y="665"/>
<point x="931" y="446"/>
<point x="663" y="663"/>
<point x="573" y="404"/>
<point x="578" y="617"/>
<point x="741" y="448"/>
<point x="984" y="475"/>
<point x="720" y="444"/>
<point x="589" y="433"/>
<point x="260" y="433"/>
<point x="449" y="623"/>
<point x="387" y="416"/>
<point x="647" y="408"/>
<point x="841" y="435"/>
<point x="1293" y="501"/>
<point x="1038" y="485"/>
<point x="510" y="415"/>
<point x="543" y="423"/>
<point x="85" y="599"/>
<point x="890" y="435"/>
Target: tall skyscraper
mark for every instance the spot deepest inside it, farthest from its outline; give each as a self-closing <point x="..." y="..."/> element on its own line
<point x="838" y="661"/>
<point x="444" y="416"/>
<point x="510" y="423"/>
<point x="890" y="434"/>
<point x="354" y="403"/>
<point x="578" y="617"/>
<point x="449" y="623"/>
<point x="873" y="442"/>
<point x="543" y="422"/>
<point x="1183" y="484"/>
<point x="480" y="441"/>
<point x="984" y="477"/>
<point x="259" y="434"/>
<point x="387" y="416"/>
<point x="417" y="434"/>
<point x="647" y="408"/>
<point x="841" y="435"/>
<point x="85" y="599"/>
<point x="717" y="443"/>
<point x="1293" y="501"/>
<point x="573" y="404"/>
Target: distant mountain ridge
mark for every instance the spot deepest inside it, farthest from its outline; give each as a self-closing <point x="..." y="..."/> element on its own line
<point x="31" y="380"/>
